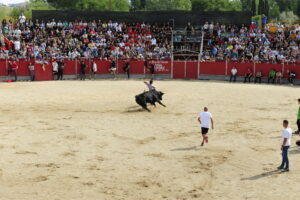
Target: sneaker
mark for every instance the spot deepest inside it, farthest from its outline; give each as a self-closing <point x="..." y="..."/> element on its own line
<point x="280" y="167"/>
<point x="285" y="170"/>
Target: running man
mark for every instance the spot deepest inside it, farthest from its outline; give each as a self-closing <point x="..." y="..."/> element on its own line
<point x="286" y="143"/>
<point x="150" y="85"/>
<point x="206" y="121"/>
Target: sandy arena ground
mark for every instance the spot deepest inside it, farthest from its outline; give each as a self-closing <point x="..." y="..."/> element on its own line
<point x="89" y="141"/>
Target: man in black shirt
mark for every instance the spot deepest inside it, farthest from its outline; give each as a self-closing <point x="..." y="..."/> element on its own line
<point x="60" y="72"/>
<point x="127" y="69"/>
<point x="82" y="70"/>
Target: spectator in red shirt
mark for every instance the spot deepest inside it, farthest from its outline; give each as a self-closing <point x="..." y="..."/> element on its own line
<point x="248" y="75"/>
<point x="12" y="68"/>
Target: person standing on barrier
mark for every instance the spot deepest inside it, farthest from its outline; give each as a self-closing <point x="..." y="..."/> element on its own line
<point x="12" y="68"/>
<point x="113" y="69"/>
<point x="82" y="70"/>
<point x="31" y="71"/>
<point x="127" y="69"/>
<point x="60" y="72"/>
<point x="233" y="74"/>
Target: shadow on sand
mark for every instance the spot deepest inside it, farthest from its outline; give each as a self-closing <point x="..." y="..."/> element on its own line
<point x="186" y="149"/>
<point x="262" y="175"/>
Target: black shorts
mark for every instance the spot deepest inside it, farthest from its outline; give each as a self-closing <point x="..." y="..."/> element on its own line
<point x="204" y="131"/>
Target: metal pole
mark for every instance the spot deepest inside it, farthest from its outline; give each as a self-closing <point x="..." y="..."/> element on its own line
<point x="185" y="69"/>
<point x="200" y="54"/>
<point x="226" y="68"/>
<point x="172" y="55"/>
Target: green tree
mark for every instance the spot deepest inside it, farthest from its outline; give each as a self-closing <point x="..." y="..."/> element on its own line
<point x="92" y="5"/>
<point x="168" y="5"/>
<point x="246" y="5"/>
<point x="253" y="7"/>
<point x="216" y="5"/>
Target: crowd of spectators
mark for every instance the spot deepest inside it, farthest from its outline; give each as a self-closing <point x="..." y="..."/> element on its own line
<point x="94" y="39"/>
<point x="275" y="43"/>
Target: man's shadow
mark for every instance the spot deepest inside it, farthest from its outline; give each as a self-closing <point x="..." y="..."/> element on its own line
<point x="262" y="175"/>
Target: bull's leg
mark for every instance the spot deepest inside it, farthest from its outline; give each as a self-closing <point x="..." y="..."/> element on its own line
<point x="145" y="107"/>
<point x="161" y="103"/>
<point x="153" y="104"/>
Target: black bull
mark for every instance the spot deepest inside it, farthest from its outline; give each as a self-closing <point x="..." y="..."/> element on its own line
<point x="151" y="97"/>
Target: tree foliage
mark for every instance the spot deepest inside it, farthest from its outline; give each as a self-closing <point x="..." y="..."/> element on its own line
<point x="153" y="5"/>
<point x="216" y="5"/>
<point x="92" y="5"/>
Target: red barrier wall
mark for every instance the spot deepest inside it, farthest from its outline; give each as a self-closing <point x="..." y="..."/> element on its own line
<point x="70" y="67"/>
<point x="181" y="69"/>
<point x="2" y="67"/>
<point x="212" y="68"/>
<point x="178" y="70"/>
<point x="23" y="68"/>
<point x="161" y="66"/>
<point x="137" y="67"/>
<point x="266" y="68"/>
<point x="103" y="66"/>
<point x="192" y="70"/>
<point x="41" y="74"/>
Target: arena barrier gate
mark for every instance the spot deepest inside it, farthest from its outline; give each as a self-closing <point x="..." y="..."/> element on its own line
<point x="162" y="69"/>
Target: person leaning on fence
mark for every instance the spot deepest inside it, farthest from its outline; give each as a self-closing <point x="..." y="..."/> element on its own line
<point x="94" y="70"/>
<point x="31" y="71"/>
<point x="291" y="76"/>
<point x="152" y="70"/>
<point x="12" y="68"/>
<point x="60" y="72"/>
<point x="54" y="69"/>
<point x="258" y="76"/>
<point x="278" y="77"/>
<point x="127" y="69"/>
<point x="233" y="74"/>
<point x="271" y="76"/>
<point x="248" y="75"/>
<point x="113" y="68"/>
<point x="82" y="70"/>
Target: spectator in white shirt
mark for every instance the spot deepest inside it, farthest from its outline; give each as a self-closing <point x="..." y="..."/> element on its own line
<point x="233" y="74"/>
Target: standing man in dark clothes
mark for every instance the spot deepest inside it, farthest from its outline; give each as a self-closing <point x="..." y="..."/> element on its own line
<point x="298" y="119"/>
<point x="291" y="76"/>
<point x="82" y="70"/>
<point x="258" y="77"/>
<point x="31" y="70"/>
<point x="60" y="72"/>
<point x="12" y="68"/>
<point x="152" y="70"/>
<point x="127" y="69"/>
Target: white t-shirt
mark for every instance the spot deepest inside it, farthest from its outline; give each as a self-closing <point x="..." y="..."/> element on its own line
<point x="205" y="119"/>
<point x="234" y="71"/>
<point x="287" y="133"/>
<point x="94" y="67"/>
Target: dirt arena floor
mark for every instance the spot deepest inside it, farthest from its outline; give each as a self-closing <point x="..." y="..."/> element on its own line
<point x="89" y="140"/>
